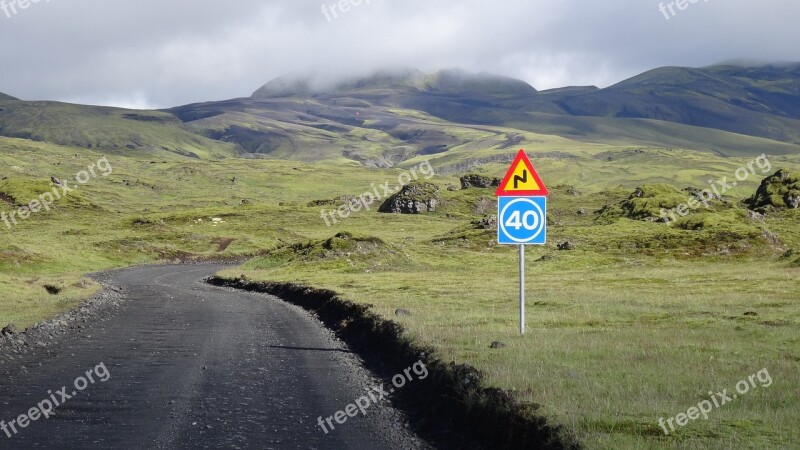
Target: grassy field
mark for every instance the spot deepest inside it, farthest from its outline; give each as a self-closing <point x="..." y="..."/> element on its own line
<point x="640" y="321"/>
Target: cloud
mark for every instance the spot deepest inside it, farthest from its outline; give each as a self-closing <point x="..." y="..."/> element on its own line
<point x="153" y="53"/>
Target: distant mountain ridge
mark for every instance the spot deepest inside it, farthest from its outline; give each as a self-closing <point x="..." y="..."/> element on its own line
<point x="6" y="97"/>
<point x="762" y="101"/>
<point x="390" y="117"/>
<point x="450" y="81"/>
<point x="758" y="101"/>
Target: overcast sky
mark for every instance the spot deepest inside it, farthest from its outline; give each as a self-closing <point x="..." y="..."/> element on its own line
<point x="161" y="53"/>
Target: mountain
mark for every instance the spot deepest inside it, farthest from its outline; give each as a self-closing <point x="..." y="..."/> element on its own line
<point x="452" y="117"/>
<point x="6" y="97"/>
<point x="452" y="82"/>
<point x="758" y="101"/>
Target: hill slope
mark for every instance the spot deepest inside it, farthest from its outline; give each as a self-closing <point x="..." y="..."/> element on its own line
<point x="105" y="128"/>
<point x="758" y="101"/>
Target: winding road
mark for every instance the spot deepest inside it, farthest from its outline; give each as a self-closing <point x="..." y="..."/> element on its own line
<point x="181" y="364"/>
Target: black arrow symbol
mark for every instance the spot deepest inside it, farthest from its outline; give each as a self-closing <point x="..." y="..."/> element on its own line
<point x="520" y="179"/>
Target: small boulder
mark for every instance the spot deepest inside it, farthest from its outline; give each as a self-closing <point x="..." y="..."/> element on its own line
<point x="781" y="190"/>
<point x="487" y="223"/>
<point x="402" y="313"/>
<point x="574" y="192"/>
<point x="414" y="198"/>
<point x="52" y="290"/>
<point x="497" y="345"/>
<point x="9" y="330"/>
<point x="566" y="246"/>
<point x="478" y="181"/>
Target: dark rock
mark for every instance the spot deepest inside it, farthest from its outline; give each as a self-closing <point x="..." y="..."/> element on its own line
<point x="582" y="212"/>
<point x="414" y="198"/>
<point x="575" y="192"/>
<point x="566" y="246"/>
<point x="781" y="190"/>
<point x="402" y="313"/>
<point x="497" y="345"/>
<point x="478" y="181"/>
<point x="52" y="290"/>
<point x="9" y="330"/>
<point x="751" y="314"/>
<point x="55" y="181"/>
<point x="487" y="223"/>
<point x="452" y="188"/>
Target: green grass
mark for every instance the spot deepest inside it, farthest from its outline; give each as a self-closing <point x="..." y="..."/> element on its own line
<point x="636" y="323"/>
<point x="613" y="343"/>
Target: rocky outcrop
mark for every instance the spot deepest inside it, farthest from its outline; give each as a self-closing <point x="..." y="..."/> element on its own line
<point x="487" y="223"/>
<point x="478" y="181"/>
<point x="780" y="191"/>
<point x="414" y="198"/>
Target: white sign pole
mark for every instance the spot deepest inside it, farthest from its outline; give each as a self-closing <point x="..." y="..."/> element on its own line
<point x="521" y="289"/>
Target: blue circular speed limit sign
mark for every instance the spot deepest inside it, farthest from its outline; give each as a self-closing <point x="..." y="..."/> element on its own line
<point x="522" y="220"/>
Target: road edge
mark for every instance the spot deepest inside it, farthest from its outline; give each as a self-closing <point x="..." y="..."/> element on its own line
<point x="454" y="397"/>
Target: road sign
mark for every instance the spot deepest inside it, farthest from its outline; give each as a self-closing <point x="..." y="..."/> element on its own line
<point x="522" y="215"/>
<point x="522" y="220"/>
<point x="522" y="180"/>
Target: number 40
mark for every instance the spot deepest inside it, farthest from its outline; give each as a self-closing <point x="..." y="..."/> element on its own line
<point x="517" y="220"/>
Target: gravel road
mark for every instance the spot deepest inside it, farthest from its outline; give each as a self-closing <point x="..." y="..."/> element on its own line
<point x="188" y="365"/>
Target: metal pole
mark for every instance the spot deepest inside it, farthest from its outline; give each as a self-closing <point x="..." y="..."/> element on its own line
<point x="521" y="289"/>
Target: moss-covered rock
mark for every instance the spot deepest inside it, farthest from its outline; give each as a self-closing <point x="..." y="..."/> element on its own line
<point x="646" y="202"/>
<point x="780" y="191"/>
<point x="341" y="244"/>
<point x="478" y="181"/>
<point x="414" y="198"/>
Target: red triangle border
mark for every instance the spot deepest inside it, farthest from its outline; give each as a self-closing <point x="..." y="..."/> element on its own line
<point x="522" y="158"/>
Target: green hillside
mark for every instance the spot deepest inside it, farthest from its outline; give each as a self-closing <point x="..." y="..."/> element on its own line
<point x="110" y="129"/>
<point x="757" y="101"/>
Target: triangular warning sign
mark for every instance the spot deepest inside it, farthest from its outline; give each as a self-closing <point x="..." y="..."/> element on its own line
<point x="522" y="180"/>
